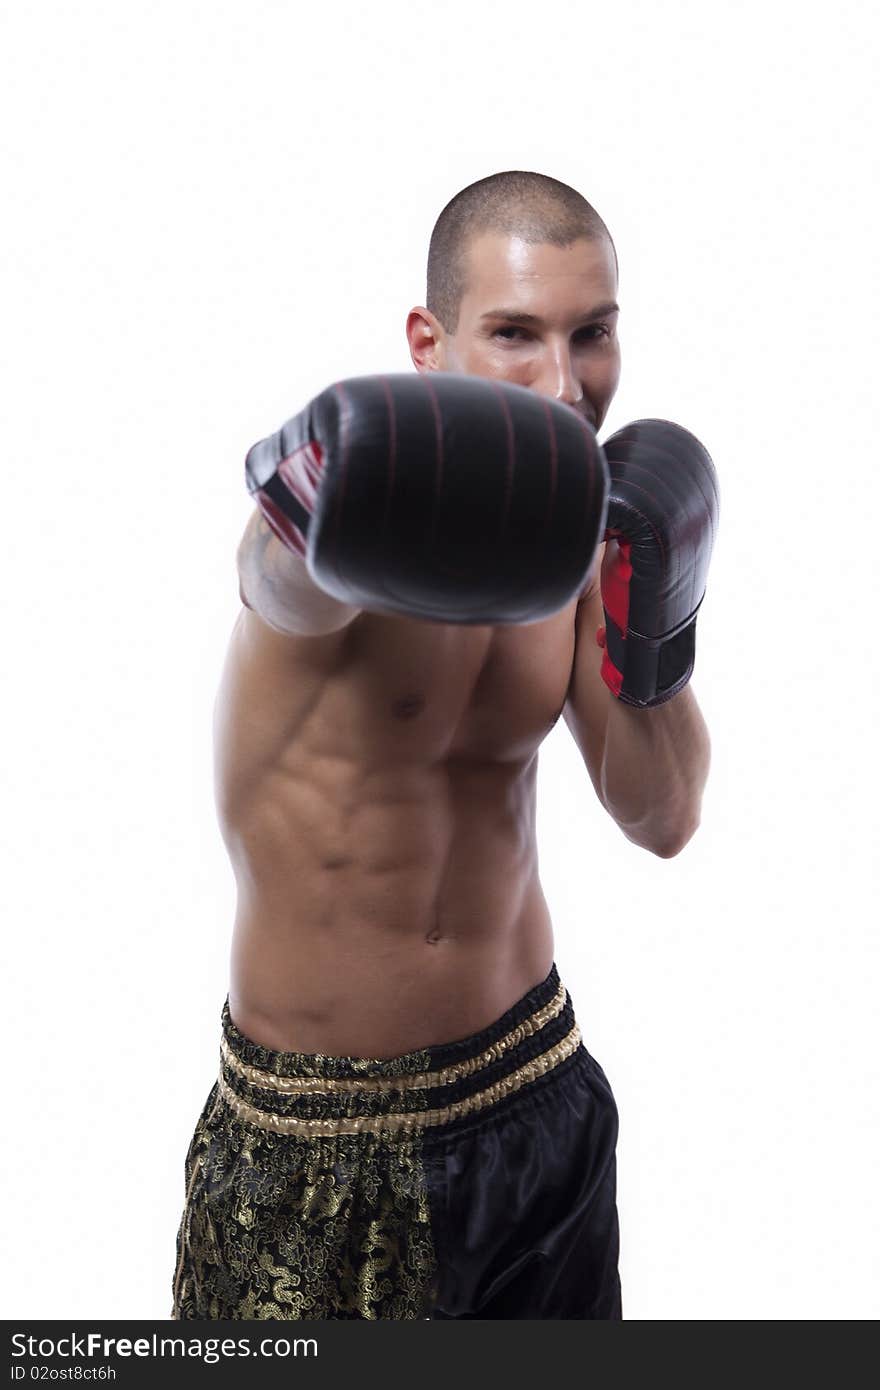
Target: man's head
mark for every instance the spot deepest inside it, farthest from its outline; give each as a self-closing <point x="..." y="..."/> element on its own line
<point x="522" y="287"/>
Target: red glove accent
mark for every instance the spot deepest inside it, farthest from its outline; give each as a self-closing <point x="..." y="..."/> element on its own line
<point x="301" y="472"/>
<point x="616" y="574"/>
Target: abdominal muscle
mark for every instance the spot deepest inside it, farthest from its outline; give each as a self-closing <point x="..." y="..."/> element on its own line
<point x="382" y="909"/>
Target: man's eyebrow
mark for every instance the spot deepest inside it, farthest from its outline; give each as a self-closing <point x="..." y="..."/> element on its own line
<point x="516" y="316"/>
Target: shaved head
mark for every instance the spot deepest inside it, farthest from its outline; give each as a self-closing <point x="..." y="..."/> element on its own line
<point x="532" y="207"/>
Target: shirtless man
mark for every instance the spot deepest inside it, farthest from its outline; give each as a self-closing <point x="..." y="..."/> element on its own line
<point x="406" y="1123"/>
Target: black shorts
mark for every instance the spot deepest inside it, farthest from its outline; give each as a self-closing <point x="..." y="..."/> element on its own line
<point x="470" y="1180"/>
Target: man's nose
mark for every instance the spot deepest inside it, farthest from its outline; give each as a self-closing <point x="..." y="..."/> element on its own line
<point x="558" y="378"/>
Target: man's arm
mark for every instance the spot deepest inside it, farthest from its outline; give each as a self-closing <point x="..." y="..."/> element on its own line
<point x="274" y="582"/>
<point x="648" y="766"/>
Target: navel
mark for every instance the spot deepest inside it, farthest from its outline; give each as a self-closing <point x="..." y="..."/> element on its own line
<point x="408" y="706"/>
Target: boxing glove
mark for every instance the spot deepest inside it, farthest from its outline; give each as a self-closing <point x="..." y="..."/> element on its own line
<point x="443" y="496"/>
<point x="663" y="510"/>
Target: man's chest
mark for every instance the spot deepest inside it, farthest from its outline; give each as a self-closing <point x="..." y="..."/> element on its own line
<point x="462" y="692"/>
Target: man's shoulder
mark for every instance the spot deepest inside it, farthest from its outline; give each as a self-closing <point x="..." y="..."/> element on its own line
<point x="256" y="645"/>
<point x="591" y="584"/>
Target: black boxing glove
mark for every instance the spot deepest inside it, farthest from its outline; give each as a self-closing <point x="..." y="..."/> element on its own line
<point x="662" y="519"/>
<point x="454" y="498"/>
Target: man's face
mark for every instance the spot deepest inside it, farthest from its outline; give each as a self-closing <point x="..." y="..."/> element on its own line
<point x="540" y="316"/>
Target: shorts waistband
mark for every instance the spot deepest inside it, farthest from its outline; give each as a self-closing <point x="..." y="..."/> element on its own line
<point x="313" y="1094"/>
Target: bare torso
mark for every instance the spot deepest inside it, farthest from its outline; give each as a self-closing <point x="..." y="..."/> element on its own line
<point x="376" y="789"/>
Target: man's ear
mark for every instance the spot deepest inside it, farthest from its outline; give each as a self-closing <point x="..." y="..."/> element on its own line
<point x="426" y="340"/>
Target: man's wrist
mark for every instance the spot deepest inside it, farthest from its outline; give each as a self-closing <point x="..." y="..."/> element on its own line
<point x="275" y="582"/>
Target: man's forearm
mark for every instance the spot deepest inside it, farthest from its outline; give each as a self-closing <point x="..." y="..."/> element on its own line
<point x="654" y="769"/>
<point x="275" y="582"/>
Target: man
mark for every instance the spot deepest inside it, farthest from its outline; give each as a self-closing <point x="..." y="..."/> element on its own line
<point x="407" y="1123"/>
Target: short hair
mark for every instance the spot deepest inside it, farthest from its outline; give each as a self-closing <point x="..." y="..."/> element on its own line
<point x="516" y="202"/>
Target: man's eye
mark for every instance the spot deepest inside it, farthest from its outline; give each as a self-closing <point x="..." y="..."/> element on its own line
<point x="592" y="332"/>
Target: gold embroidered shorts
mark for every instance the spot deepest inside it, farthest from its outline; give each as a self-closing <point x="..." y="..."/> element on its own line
<point x="474" y="1179"/>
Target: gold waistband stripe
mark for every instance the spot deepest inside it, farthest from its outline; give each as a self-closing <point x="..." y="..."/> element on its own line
<point x="311" y="1085"/>
<point x="359" y="1124"/>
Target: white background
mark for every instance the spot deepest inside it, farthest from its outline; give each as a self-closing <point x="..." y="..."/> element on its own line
<point x="212" y="210"/>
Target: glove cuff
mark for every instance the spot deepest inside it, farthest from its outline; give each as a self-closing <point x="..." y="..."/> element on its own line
<point x="648" y="671"/>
